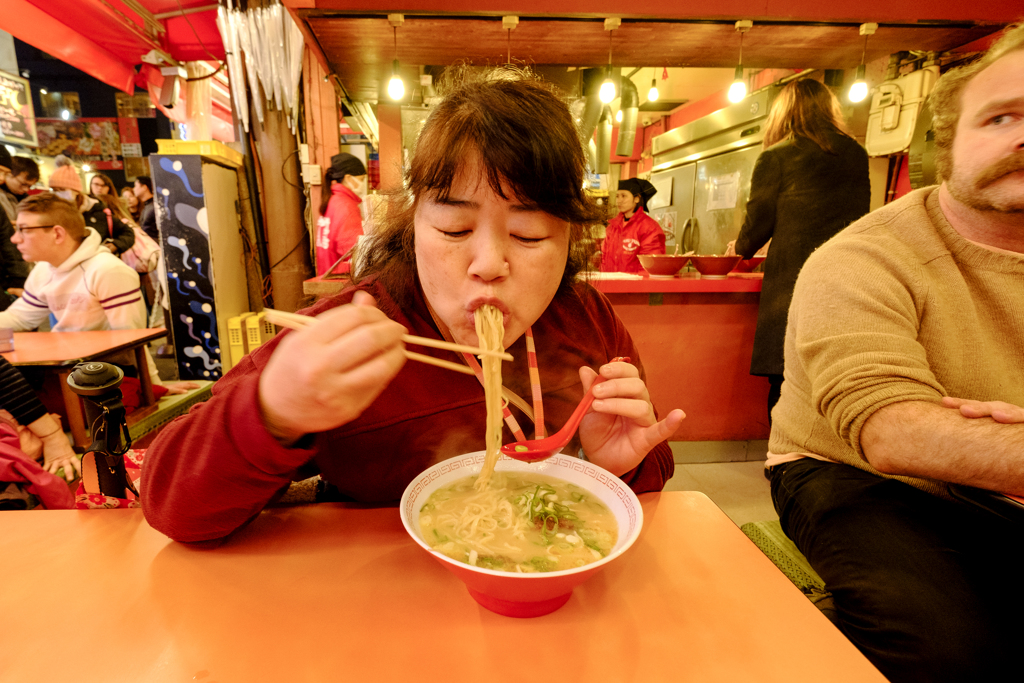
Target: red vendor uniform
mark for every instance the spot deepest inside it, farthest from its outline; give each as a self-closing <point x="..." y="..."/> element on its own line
<point x="624" y="240"/>
<point x="339" y="228"/>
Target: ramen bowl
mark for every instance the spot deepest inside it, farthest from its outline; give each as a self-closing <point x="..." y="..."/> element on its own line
<point x="714" y="267"/>
<point x="748" y="264"/>
<point x="535" y="594"/>
<point x="662" y="265"/>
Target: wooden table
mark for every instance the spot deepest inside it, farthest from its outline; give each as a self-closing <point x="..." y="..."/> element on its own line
<point x="63" y="350"/>
<point x="332" y="592"/>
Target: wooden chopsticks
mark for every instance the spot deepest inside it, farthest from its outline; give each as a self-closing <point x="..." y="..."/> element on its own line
<point x="297" y="321"/>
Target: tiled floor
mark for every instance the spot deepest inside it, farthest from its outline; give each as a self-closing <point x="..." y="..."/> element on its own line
<point x="731" y="473"/>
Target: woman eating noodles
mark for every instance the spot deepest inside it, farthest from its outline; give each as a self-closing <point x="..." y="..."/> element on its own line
<point x="494" y="214"/>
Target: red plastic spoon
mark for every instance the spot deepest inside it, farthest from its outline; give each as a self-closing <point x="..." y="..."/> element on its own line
<point x="535" y="450"/>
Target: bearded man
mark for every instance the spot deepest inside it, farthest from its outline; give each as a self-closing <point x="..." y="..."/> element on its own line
<point x="903" y="395"/>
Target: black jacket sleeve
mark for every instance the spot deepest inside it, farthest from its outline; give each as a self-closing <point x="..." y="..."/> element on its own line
<point x="122" y="236"/>
<point x="759" y="223"/>
<point x="16" y="395"/>
<point x="13" y="269"/>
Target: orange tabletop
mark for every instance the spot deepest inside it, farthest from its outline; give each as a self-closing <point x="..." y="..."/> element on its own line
<point x="68" y="348"/>
<point x="335" y="592"/>
<point x="63" y="350"/>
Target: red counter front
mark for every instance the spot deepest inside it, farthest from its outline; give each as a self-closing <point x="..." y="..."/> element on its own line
<point x="695" y="338"/>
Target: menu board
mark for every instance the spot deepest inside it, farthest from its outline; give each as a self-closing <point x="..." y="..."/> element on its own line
<point x="87" y="139"/>
<point x="17" y="120"/>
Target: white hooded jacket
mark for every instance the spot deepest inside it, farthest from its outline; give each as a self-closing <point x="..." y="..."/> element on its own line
<point x="91" y="290"/>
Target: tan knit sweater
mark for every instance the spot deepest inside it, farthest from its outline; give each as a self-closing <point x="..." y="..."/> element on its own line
<point x="897" y="307"/>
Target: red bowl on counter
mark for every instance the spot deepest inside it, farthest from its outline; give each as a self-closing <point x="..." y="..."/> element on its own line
<point x="662" y="265"/>
<point x="748" y="264"/>
<point x="714" y="267"/>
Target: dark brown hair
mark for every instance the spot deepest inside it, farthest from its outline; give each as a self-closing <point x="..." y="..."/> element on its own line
<point x="805" y="109"/>
<point x="528" y="145"/>
<point x="946" y="97"/>
<point x="330" y="177"/>
<point x="25" y="165"/>
<point x="115" y="203"/>
<point x="57" y="211"/>
<point x="106" y="181"/>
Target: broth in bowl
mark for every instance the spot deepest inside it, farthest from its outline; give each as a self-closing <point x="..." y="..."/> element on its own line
<point x="523" y="522"/>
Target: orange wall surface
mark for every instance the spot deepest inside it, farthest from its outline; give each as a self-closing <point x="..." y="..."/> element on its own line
<point x="696" y="350"/>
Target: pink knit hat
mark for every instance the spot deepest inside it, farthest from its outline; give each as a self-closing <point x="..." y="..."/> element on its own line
<point x="65" y="177"/>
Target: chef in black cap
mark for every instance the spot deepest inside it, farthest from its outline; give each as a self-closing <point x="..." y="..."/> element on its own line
<point x="632" y="232"/>
<point x="340" y="223"/>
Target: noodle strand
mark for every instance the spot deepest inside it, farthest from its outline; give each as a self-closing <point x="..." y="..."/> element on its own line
<point x="490" y="332"/>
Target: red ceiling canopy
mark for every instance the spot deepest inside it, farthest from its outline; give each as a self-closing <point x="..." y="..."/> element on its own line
<point x="108" y="39"/>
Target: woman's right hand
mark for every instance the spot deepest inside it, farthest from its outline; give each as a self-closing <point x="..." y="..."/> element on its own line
<point x="730" y="249"/>
<point x="326" y="375"/>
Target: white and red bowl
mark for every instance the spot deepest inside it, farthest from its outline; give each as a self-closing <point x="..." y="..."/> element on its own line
<point x="526" y="595"/>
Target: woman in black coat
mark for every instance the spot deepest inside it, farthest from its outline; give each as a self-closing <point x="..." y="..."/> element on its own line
<point x="810" y="182"/>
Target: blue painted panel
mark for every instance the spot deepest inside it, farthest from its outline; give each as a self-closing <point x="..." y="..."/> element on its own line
<point x="185" y="240"/>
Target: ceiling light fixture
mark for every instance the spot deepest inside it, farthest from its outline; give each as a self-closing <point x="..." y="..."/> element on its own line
<point x="396" y="88"/>
<point x="653" y="94"/>
<point x="859" y="89"/>
<point x="508" y="23"/>
<point x="738" y="89"/>
<point x="607" y="92"/>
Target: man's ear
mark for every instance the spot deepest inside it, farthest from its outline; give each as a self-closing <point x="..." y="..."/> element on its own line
<point x="60" y="235"/>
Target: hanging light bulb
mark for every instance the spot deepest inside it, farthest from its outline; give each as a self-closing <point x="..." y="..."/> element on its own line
<point x="396" y="88"/>
<point x="86" y="168"/>
<point x="65" y="114"/>
<point x="607" y="92"/>
<point x="738" y="89"/>
<point x="652" y="94"/>
<point x="859" y="89"/>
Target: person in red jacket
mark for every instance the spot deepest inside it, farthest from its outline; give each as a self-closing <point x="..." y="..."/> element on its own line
<point x="632" y="232"/>
<point x="340" y="224"/>
<point x="490" y="216"/>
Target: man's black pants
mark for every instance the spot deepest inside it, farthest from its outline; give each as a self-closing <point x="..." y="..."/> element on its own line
<point x="928" y="589"/>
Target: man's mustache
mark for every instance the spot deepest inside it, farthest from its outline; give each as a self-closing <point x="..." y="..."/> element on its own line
<point x="1008" y="164"/>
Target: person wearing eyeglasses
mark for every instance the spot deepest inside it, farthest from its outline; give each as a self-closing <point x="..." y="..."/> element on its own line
<point x="66" y="183"/>
<point x="24" y="174"/>
<point x="13" y="269"/>
<point x="83" y="284"/>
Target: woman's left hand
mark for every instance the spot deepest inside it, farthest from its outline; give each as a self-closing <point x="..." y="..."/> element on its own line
<point x="620" y="429"/>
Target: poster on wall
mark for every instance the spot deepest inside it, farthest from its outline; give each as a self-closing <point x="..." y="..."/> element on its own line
<point x="667" y="221"/>
<point x="17" y="120"/>
<point x="723" y="191"/>
<point x="134" y="106"/>
<point x="91" y="140"/>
